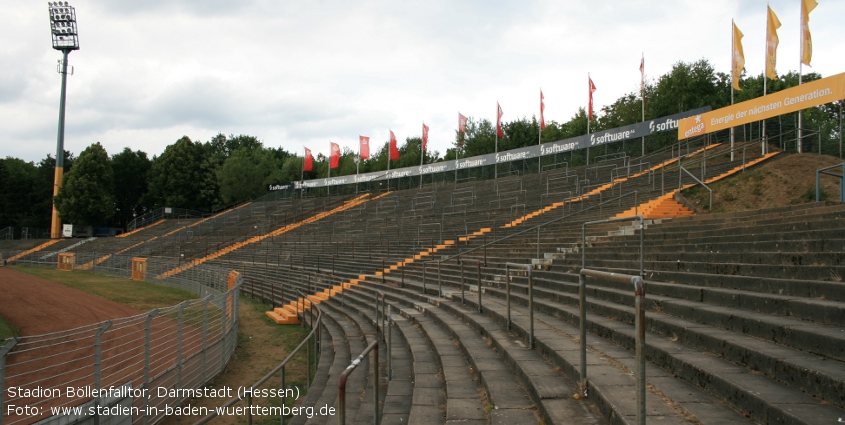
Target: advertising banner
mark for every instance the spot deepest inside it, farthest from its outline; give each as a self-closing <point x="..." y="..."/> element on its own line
<point x="807" y="95"/>
<point x="633" y="131"/>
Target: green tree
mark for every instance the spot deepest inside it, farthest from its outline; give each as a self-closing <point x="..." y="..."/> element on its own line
<point x="19" y="190"/>
<point x="480" y="138"/>
<point x="87" y="193"/>
<point x="130" y="183"/>
<point x="519" y="134"/>
<point x="184" y="177"/>
<point x="246" y="174"/>
<point x="685" y="87"/>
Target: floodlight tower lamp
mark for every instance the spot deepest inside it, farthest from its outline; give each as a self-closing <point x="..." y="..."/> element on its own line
<point x="65" y="38"/>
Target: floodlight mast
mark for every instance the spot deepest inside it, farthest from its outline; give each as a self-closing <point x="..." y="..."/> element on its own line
<point x="65" y="38"/>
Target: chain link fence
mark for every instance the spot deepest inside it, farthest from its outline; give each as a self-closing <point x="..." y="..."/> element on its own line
<point x="132" y="370"/>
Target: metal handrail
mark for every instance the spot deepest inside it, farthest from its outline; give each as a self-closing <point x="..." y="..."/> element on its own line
<point x="281" y="367"/>
<point x="681" y="168"/>
<point x="533" y="228"/>
<point x="341" y="385"/>
<point x="380" y="325"/>
<point x="841" y="181"/>
<point x="639" y="325"/>
<point x="530" y="298"/>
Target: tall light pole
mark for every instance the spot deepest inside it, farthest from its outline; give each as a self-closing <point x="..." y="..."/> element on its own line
<point x="66" y="39"/>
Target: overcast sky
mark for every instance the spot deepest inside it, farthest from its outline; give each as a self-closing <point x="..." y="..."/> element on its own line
<point x="304" y="73"/>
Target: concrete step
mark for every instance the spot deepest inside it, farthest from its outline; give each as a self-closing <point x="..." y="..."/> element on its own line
<point x="793" y="369"/>
<point x="509" y="401"/>
<point x="333" y="359"/>
<point x="722" y="381"/>
<point x="463" y="399"/>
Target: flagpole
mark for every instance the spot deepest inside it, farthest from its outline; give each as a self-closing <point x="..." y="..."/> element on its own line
<point x="589" y="89"/>
<point x="422" y="151"/>
<point x="642" y="92"/>
<point x="498" y="123"/>
<point x="800" y="69"/>
<point x="358" y="164"/>
<point x="422" y="148"/>
<point x="765" y="77"/>
<point x="733" y="46"/>
<point x="540" y="135"/>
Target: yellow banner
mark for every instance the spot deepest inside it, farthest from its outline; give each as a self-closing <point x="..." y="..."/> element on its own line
<point x="772" y="41"/>
<point x="807" y="6"/>
<point x="738" y="58"/>
<point x="807" y="95"/>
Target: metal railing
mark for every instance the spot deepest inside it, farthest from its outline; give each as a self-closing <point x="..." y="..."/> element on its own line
<point x="821" y="171"/>
<point x="341" y="386"/>
<point x="639" y="321"/>
<point x="122" y="361"/>
<point x="528" y="268"/>
<point x="283" y="411"/>
<point x="680" y="184"/>
<point x="639" y="325"/>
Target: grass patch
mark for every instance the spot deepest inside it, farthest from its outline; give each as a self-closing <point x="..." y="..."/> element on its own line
<point x="262" y="345"/>
<point x="6" y="330"/>
<point x="141" y="295"/>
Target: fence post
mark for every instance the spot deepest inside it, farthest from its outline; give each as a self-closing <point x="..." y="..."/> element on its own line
<point x="4" y="351"/>
<point x="424" y="291"/>
<point x="439" y="281"/>
<point x="284" y="400"/>
<point x="480" y="310"/>
<point x="582" y="296"/>
<point x="639" y="294"/>
<point x="463" y="302"/>
<point x="147" y="359"/>
<point x="204" y="334"/>
<point x="375" y="386"/>
<point x="531" y="306"/>
<point x="508" y="292"/>
<point x="389" y="344"/>
<point x="375" y="319"/>
<point x="180" y="325"/>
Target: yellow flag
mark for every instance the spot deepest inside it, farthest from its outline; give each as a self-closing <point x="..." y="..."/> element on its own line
<point x="737" y="58"/>
<point x="772" y="44"/>
<point x="807" y="6"/>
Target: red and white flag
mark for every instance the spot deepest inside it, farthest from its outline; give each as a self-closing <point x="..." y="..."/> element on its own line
<point x="424" y="136"/>
<point x="542" y="108"/>
<point x="499" y="114"/>
<point x="363" y="147"/>
<point x="334" y="160"/>
<point x="394" y="151"/>
<point x="309" y="161"/>
<point x="462" y="123"/>
<point x="590" y="106"/>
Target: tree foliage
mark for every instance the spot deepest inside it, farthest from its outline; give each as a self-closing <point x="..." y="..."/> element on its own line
<point x="234" y="168"/>
<point x="87" y="193"/>
<point x="183" y="177"/>
<point x="130" y="182"/>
